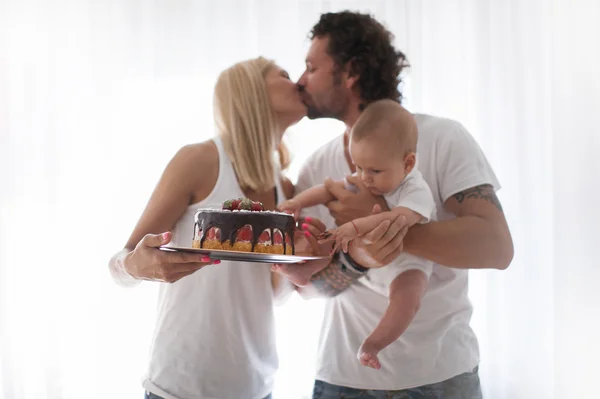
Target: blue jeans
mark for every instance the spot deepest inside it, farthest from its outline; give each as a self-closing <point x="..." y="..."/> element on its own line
<point x="150" y="395"/>
<point x="463" y="386"/>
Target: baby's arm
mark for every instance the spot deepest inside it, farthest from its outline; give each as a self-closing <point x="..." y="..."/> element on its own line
<point x="315" y="195"/>
<point x="406" y="292"/>
<point x="357" y="227"/>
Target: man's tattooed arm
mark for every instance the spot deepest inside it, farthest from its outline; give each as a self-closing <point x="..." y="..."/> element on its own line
<point x="485" y="192"/>
<point x="478" y="238"/>
<point x="341" y="273"/>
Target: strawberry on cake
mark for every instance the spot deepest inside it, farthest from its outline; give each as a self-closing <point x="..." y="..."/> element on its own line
<point x="243" y="225"/>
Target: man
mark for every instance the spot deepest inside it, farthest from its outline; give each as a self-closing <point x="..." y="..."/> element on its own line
<point x="352" y="62"/>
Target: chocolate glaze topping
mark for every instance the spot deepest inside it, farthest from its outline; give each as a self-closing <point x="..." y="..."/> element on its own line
<point x="230" y="222"/>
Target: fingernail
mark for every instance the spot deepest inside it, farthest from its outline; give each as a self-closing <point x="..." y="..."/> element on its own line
<point x="205" y="259"/>
<point x="304" y="226"/>
<point x="216" y="262"/>
<point x="308" y="219"/>
<point x="165" y="236"/>
<point x="307" y="234"/>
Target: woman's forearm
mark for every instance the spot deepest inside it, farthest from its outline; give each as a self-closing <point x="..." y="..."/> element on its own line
<point x="117" y="270"/>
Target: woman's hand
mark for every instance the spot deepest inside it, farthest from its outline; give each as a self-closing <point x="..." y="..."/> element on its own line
<point x="306" y="244"/>
<point x="305" y="238"/>
<point x="148" y="262"/>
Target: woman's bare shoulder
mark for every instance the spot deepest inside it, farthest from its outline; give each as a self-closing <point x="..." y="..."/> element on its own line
<point x="202" y="154"/>
<point x="200" y="164"/>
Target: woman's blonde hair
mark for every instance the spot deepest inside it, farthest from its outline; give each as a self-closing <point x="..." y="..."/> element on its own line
<point x="247" y="125"/>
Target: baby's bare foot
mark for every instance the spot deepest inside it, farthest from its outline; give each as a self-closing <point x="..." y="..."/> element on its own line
<point x="367" y="356"/>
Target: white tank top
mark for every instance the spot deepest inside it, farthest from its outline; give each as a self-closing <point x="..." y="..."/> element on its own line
<point x="215" y="333"/>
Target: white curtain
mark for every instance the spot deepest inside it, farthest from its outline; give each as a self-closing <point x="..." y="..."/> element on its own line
<point x="95" y="97"/>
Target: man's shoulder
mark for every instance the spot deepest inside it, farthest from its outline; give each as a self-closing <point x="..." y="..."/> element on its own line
<point x="442" y="133"/>
<point x="436" y="125"/>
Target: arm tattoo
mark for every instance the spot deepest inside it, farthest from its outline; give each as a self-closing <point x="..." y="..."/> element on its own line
<point x="334" y="279"/>
<point x="485" y="192"/>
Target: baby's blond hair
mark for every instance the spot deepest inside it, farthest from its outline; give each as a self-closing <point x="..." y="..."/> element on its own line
<point x="390" y="122"/>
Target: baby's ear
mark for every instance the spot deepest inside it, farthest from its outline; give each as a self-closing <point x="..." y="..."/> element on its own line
<point x="410" y="160"/>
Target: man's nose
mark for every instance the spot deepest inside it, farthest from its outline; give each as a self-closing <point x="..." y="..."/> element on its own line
<point x="301" y="82"/>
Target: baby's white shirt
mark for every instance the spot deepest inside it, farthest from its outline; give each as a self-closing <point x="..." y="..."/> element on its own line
<point x="413" y="193"/>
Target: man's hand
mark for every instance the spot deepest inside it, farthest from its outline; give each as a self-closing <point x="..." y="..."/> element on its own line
<point x="382" y="245"/>
<point x="351" y="205"/>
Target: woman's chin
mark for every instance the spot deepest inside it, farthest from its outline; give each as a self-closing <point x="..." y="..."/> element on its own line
<point x="300" y="116"/>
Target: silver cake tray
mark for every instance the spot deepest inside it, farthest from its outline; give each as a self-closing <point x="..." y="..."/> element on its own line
<point x="217" y="254"/>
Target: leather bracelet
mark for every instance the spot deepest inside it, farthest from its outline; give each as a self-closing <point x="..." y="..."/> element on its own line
<point x="347" y="261"/>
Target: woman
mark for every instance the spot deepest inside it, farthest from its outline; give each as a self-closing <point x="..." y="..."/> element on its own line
<point x="214" y="335"/>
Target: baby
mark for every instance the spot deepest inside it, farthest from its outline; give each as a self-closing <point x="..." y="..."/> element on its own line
<point x="382" y="146"/>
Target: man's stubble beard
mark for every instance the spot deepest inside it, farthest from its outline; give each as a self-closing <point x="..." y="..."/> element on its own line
<point x="337" y="101"/>
<point x="336" y="111"/>
<point x="313" y="113"/>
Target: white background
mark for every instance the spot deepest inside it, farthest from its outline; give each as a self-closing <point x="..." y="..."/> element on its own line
<point x="96" y="97"/>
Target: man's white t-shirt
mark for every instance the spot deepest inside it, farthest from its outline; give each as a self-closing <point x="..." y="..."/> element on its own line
<point x="413" y="193"/>
<point x="439" y="343"/>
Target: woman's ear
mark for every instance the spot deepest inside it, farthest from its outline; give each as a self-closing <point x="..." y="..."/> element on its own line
<point x="410" y="160"/>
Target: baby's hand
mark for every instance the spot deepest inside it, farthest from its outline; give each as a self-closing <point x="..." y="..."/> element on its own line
<point x="291" y="206"/>
<point x="344" y="235"/>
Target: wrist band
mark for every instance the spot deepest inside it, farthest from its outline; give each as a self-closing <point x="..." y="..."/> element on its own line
<point x="347" y="262"/>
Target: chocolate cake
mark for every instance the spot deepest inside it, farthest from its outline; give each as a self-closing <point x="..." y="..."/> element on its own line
<point x="243" y="225"/>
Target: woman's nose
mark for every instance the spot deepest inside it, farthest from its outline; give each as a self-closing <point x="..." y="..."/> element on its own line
<point x="301" y="82"/>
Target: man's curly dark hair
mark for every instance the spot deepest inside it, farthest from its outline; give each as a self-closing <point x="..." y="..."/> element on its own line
<point x="359" y="39"/>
